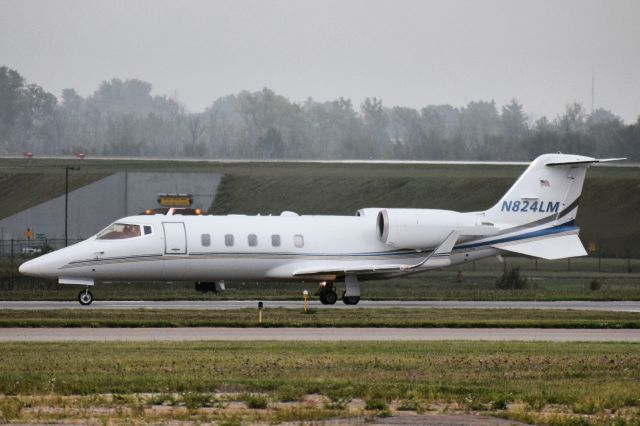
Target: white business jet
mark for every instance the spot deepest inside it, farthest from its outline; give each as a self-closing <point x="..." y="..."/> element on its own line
<point x="534" y="218"/>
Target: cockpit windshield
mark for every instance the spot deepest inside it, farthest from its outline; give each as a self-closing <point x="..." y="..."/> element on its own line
<point x="119" y="231"/>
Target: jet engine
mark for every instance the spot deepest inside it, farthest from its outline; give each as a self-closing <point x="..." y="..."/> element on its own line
<point x="421" y="228"/>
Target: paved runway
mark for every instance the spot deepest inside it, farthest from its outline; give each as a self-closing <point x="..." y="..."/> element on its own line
<point x="314" y="334"/>
<point x="623" y="306"/>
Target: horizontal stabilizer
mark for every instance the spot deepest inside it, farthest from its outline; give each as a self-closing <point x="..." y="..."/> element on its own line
<point x="584" y="160"/>
<point x="557" y="247"/>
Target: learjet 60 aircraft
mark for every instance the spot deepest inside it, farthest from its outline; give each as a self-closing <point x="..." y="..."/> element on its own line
<point x="534" y="218"/>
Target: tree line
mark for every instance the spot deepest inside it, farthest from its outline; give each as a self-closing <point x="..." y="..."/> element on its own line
<point x="123" y="118"/>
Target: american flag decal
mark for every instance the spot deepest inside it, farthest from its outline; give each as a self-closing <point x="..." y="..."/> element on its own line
<point x="545" y="183"/>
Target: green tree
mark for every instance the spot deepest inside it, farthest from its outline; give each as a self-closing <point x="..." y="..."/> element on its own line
<point x="478" y="121"/>
<point x="376" y="142"/>
<point x="271" y="145"/>
<point x="513" y="122"/>
<point x="11" y="85"/>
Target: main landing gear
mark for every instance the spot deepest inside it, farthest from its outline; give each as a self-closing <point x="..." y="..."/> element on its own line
<point x="351" y="295"/>
<point x="85" y="297"/>
<point x="327" y="293"/>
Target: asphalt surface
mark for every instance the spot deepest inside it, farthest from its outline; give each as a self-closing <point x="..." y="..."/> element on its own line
<point x="314" y="334"/>
<point x="622" y="306"/>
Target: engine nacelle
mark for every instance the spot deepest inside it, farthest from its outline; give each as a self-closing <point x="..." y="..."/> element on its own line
<point x="419" y="228"/>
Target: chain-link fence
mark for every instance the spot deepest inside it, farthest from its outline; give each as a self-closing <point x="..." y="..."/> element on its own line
<point x="594" y="263"/>
<point x="15" y="251"/>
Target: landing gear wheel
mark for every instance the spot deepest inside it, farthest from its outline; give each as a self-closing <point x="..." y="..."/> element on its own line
<point x="85" y="297"/>
<point x="350" y="300"/>
<point x="327" y="293"/>
<point x="328" y="297"/>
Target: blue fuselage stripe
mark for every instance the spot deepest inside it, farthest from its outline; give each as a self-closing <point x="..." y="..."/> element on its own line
<point x="542" y="232"/>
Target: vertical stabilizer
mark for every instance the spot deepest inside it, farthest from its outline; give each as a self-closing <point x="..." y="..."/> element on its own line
<point x="548" y="192"/>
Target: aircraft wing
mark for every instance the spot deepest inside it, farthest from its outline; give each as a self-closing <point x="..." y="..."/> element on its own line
<point x="437" y="258"/>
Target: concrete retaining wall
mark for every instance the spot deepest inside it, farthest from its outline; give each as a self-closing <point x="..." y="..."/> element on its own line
<point x="96" y="205"/>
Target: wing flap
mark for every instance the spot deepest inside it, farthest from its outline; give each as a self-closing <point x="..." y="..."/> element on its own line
<point x="557" y="247"/>
<point x="341" y="270"/>
<point x="439" y="257"/>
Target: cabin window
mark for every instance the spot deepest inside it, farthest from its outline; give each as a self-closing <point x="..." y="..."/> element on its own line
<point x="228" y="240"/>
<point x="298" y="240"/>
<point x="253" y="240"/>
<point x="205" y="239"/>
<point x="147" y="230"/>
<point x="275" y="240"/>
<point x="119" y="231"/>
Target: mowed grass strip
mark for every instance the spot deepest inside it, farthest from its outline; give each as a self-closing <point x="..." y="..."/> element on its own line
<point x="325" y="317"/>
<point x="585" y="377"/>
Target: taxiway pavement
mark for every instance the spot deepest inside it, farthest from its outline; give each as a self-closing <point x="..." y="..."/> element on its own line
<point x="315" y="334"/>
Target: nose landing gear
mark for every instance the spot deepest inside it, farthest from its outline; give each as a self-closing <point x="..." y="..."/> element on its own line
<point x="85" y="297"/>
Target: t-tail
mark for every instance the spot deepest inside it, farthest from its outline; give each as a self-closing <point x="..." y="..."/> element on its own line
<point x="536" y="215"/>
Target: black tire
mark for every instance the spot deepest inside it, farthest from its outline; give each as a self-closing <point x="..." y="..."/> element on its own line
<point x="350" y="300"/>
<point x="85" y="297"/>
<point x="330" y="298"/>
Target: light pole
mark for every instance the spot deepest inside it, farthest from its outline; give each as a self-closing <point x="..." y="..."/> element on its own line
<point x="66" y="200"/>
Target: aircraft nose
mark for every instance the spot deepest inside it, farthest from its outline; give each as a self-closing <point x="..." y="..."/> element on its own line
<point x="39" y="267"/>
<point x="27" y="268"/>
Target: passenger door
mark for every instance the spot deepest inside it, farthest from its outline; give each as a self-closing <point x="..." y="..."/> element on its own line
<point x="175" y="249"/>
<point x="175" y="238"/>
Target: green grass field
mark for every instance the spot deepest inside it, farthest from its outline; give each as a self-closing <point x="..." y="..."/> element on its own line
<point x="279" y="317"/>
<point x="608" y="213"/>
<point x="234" y="382"/>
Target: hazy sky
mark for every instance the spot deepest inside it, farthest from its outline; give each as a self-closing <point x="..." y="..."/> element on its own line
<point x="410" y="53"/>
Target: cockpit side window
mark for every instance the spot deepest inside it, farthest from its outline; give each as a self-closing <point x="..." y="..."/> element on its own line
<point x="119" y="231"/>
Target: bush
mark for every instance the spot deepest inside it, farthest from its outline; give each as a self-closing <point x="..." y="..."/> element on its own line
<point x="595" y="285"/>
<point x="255" y="401"/>
<point x="500" y="403"/>
<point x="10" y="409"/>
<point x="287" y="393"/>
<point x="194" y="400"/>
<point x="408" y="405"/>
<point x="376" y="404"/>
<point x="511" y="280"/>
